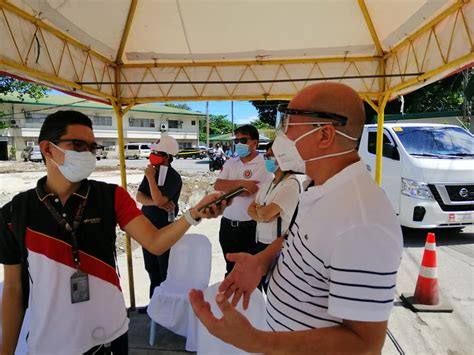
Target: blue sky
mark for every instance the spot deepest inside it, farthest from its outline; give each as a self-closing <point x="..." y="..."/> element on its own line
<point x="244" y="112"/>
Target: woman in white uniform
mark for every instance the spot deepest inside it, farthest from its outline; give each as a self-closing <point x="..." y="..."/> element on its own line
<point x="274" y="204"/>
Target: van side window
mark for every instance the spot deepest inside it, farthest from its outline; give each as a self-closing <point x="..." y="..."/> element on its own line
<point x="372" y="141"/>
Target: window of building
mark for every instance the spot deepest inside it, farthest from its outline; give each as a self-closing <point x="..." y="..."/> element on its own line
<point x="193" y="123"/>
<point x="33" y="117"/>
<point x="141" y="122"/>
<point x="102" y="120"/>
<point x="175" y="124"/>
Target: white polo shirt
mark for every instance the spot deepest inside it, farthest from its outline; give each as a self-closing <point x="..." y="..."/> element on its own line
<point x="341" y="257"/>
<point x="235" y="169"/>
<point x="285" y="194"/>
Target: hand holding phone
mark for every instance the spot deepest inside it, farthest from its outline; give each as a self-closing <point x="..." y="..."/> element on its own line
<point x="225" y="197"/>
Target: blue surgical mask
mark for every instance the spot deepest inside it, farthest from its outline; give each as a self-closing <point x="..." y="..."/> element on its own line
<point x="271" y="165"/>
<point x="242" y="150"/>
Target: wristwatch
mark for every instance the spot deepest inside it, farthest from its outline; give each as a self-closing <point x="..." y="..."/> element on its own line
<point x="190" y="219"/>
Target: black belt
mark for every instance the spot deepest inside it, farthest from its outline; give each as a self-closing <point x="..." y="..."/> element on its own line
<point x="236" y="224"/>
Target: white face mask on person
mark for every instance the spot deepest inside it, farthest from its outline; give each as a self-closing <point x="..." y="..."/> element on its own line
<point x="288" y="157"/>
<point x="77" y="166"/>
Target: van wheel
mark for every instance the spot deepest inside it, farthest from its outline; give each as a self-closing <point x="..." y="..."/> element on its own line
<point x="178" y="157"/>
<point x="194" y="156"/>
<point x="135" y="157"/>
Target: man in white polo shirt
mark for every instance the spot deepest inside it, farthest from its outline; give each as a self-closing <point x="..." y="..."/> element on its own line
<point x="237" y="230"/>
<point x="333" y="285"/>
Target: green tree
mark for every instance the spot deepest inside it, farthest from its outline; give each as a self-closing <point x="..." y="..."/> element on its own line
<point x="218" y="124"/>
<point x="261" y="125"/>
<point x="443" y="95"/>
<point x="11" y="86"/>
<point x="267" y="110"/>
<point x="180" y="106"/>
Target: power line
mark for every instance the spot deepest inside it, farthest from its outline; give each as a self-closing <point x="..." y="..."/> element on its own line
<point x="12" y="115"/>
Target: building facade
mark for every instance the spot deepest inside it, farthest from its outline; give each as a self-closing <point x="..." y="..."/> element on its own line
<point x="142" y="124"/>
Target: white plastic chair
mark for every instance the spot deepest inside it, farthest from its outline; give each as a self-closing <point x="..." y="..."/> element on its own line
<point x="208" y="344"/>
<point x="189" y="267"/>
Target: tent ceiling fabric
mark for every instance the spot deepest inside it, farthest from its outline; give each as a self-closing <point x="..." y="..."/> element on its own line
<point x="228" y="49"/>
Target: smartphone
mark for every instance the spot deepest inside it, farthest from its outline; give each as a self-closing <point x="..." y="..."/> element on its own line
<point x="226" y="197"/>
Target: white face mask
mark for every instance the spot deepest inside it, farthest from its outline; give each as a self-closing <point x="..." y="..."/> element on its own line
<point x="288" y="157"/>
<point x="77" y="165"/>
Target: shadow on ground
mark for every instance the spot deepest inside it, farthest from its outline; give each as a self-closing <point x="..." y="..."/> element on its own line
<point x="166" y="342"/>
<point x="444" y="237"/>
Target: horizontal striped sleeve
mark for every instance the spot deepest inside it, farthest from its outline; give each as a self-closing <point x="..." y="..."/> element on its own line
<point x="362" y="274"/>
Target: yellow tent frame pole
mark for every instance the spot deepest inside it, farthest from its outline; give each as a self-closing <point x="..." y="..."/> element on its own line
<point x="379" y="145"/>
<point x="123" y="175"/>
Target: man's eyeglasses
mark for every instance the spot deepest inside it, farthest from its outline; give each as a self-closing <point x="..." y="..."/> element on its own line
<point x="79" y="145"/>
<point x="285" y="112"/>
<point x="242" y="140"/>
<point x="268" y="157"/>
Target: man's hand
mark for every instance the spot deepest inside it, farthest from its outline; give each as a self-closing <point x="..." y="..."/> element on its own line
<point x="213" y="211"/>
<point x="243" y="279"/>
<point x="232" y="328"/>
<point x="168" y="206"/>
<point x="150" y="172"/>
<point x="251" y="186"/>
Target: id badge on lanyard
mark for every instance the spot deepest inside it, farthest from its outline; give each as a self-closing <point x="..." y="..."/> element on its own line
<point x="79" y="282"/>
<point x="79" y="287"/>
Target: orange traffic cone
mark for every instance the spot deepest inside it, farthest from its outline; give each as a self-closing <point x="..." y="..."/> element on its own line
<point x="426" y="291"/>
<point x="426" y="297"/>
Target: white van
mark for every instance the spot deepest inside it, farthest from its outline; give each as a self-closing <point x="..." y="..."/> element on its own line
<point x="136" y="150"/>
<point x="427" y="172"/>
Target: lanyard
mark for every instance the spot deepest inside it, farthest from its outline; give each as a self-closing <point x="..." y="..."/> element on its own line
<point x="72" y="230"/>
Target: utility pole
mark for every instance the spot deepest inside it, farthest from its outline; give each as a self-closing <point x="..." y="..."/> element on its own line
<point x="232" y="120"/>
<point x="207" y="124"/>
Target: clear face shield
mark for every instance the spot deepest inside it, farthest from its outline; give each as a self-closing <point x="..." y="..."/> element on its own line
<point x="284" y="113"/>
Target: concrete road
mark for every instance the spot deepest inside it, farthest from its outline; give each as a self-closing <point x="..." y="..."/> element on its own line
<point x="436" y="333"/>
<point x="179" y="164"/>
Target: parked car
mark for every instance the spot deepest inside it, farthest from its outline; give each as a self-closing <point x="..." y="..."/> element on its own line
<point x="262" y="147"/>
<point x="193" y="153"/>
<point x="427" y="172"/>
<point x="35" y="154"/>
<point x="137" y="150"/>
<point x="100" y="152"/>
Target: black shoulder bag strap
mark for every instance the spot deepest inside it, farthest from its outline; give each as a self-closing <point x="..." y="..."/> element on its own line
<point x="19" y="217"/>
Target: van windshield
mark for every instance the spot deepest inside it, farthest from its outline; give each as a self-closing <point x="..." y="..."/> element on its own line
<point x="436" y="141"/>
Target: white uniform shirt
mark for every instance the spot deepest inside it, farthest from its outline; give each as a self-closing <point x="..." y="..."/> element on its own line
<point x="235" y="169"/>
<point x="285" y="194"/>
<point x="341" y="257"/>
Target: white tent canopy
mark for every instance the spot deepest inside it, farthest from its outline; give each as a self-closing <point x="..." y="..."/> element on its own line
<point x="138" y="51"/>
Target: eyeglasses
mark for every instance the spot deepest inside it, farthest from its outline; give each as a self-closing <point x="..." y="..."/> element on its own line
<point x="285" y="112"/>
<point x="242" y="140"/>
<point x="79" y="145"/>
<point x="268" y="157"/>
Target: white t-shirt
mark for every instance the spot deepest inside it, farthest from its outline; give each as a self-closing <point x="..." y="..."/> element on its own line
<point x="285" y="194"/>
<point x="235" y="169"/>
<point x="341" y="257"/>
<point x="219" y="152"/>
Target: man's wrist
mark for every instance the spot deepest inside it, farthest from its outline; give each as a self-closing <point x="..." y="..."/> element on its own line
<point x="191" y="217"/>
